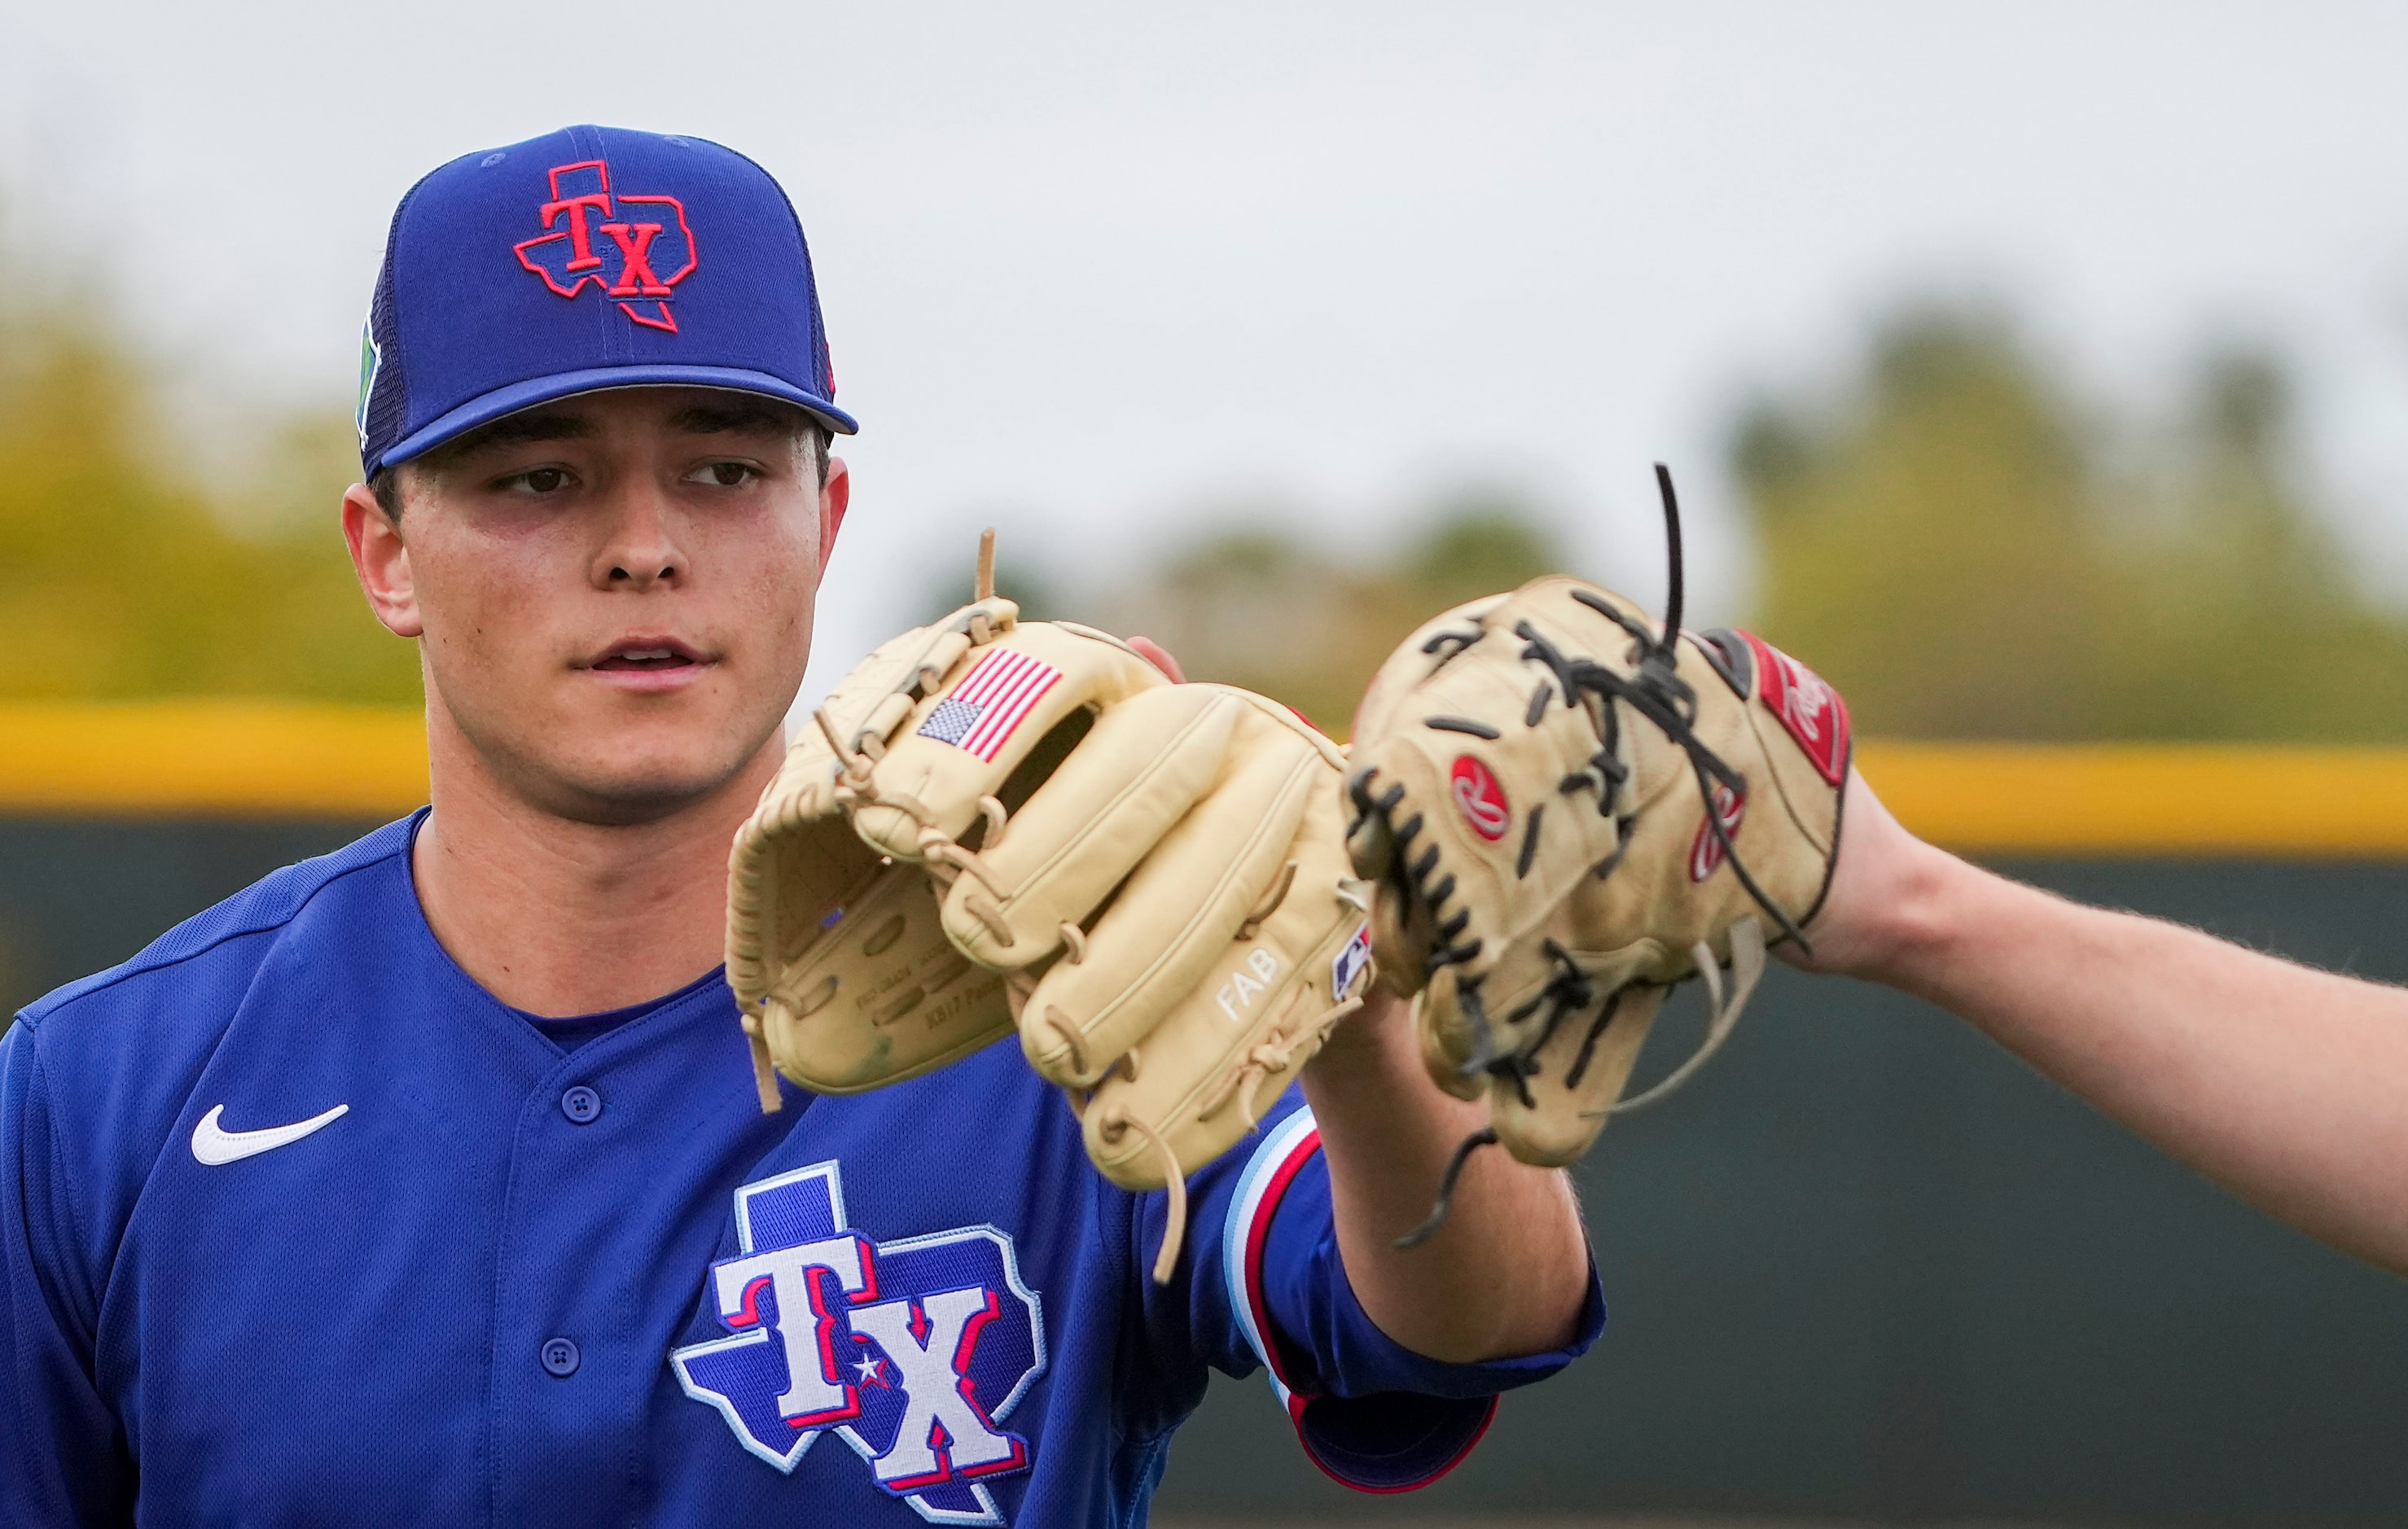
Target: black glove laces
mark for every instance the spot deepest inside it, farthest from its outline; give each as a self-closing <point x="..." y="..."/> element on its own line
<point x="1656" y="690"/>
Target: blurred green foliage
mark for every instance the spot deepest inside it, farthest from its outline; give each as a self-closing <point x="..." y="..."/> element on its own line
<point x="1258" y="609"/>
<point x="1963" y="545"/>
<point x="120" y="574"/>
<point x="1967" y="551"/>
<point x="1960" y="543"/>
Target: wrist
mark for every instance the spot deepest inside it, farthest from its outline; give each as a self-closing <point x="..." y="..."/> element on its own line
<point x="1906" y="931"/>
<point x="1364" y="1038"/>
<point x="1895" y="903"/>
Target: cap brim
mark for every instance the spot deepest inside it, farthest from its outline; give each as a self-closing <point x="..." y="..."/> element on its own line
<point x="544" y="390"/>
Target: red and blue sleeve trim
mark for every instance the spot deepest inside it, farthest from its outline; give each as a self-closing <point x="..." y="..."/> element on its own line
<point x="1376" y="1444"/>
<point x="1247" y="1233"/>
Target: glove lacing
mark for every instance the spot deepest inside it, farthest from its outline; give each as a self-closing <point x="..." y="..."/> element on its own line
<point x="1656" y="692"/>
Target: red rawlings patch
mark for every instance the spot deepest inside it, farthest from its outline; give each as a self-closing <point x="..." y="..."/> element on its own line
<point x="1807" y="706"/>
<point x="1482" y="798"/>
<point x="1706" y="852"/>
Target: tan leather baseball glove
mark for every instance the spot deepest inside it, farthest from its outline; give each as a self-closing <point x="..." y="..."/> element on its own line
<point x="998" y="821"/>
<point x="1567" y="808"/>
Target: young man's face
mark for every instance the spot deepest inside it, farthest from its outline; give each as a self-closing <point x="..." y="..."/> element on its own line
<point x="614" y="591"/>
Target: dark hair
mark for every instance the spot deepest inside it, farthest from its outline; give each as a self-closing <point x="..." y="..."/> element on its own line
<point x="385" y="482"/>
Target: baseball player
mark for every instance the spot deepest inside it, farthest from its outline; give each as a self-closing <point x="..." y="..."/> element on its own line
<point x="429" y="1181"/>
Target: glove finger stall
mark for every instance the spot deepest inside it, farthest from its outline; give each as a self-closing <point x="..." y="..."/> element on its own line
<point x="1575" y="1075"/>
<point x="964" y="742"/>
<point x="1175" y="915"/>
<point x="1137" y="772"/>
<point x="1200" y="1079"/>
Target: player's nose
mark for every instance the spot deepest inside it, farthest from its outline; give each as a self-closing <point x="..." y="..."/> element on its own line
<point x="640" y="549"/>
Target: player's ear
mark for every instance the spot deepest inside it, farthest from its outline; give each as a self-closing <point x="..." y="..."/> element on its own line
<point x="836" y="496"/>
<point x="381" y="560"/>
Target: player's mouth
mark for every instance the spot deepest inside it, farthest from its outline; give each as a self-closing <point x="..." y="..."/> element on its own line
<point x="648" y="663"/>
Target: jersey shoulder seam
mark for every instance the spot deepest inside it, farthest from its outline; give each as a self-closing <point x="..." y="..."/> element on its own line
<point x="59" y="1164"/>
<point x="35" y="1013"/>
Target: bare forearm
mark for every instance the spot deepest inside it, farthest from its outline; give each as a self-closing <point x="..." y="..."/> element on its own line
<point x="2288" y="1086"/>
<point x="1508" y="1272"/>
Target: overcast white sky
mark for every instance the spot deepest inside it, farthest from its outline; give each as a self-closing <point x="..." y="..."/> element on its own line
<point x="1100" y="271"/>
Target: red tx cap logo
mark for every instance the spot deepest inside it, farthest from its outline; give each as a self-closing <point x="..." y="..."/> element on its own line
<point x="609" y="240"/>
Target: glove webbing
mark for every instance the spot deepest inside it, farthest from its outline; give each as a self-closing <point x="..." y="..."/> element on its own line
<point x="1657" y="692"/>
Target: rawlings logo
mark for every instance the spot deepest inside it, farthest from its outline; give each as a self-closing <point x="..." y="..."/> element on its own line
<point x="1481" y="797"/>
<point x="621" y="243"/>
<point x="1706" y="852"/>
<point x="1807" y="706"/>
<point x="912" y="1351"/>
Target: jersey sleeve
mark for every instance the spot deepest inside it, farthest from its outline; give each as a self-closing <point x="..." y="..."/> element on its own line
<point x="64" y="1462"/>
<point x="1264" y="1285"/>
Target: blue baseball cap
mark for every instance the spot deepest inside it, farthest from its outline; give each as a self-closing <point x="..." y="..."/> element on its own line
<point x="590" y="258"/>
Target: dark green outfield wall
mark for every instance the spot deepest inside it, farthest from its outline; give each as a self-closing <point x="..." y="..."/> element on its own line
<point x="1868" y="1267"/>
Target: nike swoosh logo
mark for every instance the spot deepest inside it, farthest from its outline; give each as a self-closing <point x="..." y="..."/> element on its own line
<point x="213" y="1144"/>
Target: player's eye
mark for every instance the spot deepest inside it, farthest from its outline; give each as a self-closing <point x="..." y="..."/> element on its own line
<point x="538" y="480"/>
<point x="725" y="475"/>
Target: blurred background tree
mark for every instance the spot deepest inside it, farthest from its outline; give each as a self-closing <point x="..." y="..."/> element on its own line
<point x="1968" y="551"/>
<point x="1258" y="609"/>
<point x="1965" y="545"/>
<point x="1962" y="543"/>
<point x="122" y="572"/>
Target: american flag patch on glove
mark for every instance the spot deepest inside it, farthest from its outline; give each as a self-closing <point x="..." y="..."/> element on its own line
<point x="988" y="704"/>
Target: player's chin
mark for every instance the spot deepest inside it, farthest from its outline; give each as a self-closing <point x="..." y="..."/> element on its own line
<point x="637" y="787"/>
<point x="644" y="768"/>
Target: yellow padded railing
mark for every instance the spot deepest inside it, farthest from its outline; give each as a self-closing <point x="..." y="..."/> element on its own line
<point x="211" y="758"/>
<point x="280" y="759"/>
<point x="2125" y="799"/>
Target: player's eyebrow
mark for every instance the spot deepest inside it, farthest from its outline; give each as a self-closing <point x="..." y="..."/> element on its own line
<point x="748" y="418"/>
<point x="522" y="430"/>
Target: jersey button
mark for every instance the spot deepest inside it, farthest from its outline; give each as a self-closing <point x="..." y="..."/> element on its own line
<point x="560" y="1357"/>
<point x="584" y="1106"/>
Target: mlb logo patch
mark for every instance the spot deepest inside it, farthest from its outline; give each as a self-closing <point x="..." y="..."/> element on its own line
<point x="982" y="711"/>
<point x="1350" y="964"/>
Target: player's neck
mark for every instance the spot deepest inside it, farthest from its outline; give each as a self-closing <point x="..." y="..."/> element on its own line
<point x="559" y="916"/>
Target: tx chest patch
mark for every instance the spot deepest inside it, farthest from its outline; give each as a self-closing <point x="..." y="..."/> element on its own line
<point x="912" y="1351"/>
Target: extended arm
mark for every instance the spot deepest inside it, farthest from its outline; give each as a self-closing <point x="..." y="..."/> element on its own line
<point x="2286" y="1085"/>
<point x="1507" y="1274"/>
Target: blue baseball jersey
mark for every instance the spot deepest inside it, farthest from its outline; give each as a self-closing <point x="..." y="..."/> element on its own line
<point x="302" y="1226"/>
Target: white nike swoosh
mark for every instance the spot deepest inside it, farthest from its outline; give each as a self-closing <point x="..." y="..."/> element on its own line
<point x="212" y="1144"/>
